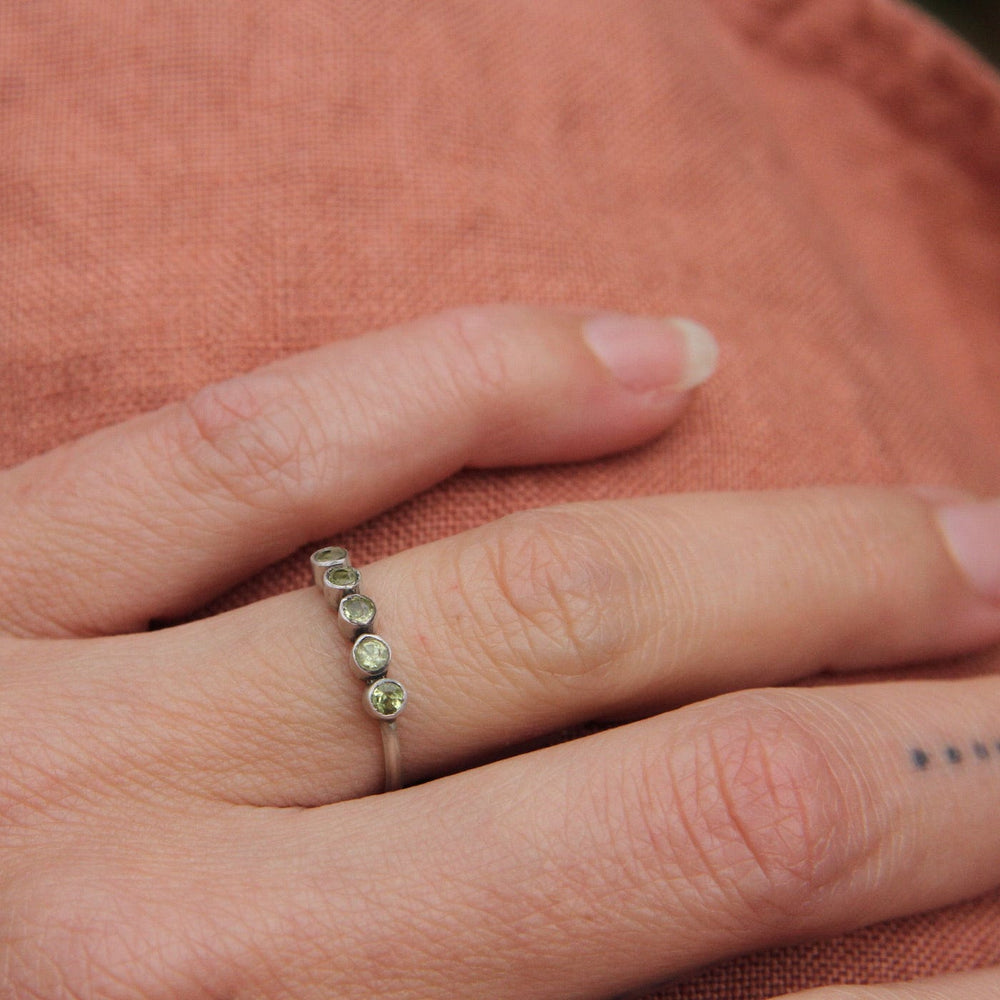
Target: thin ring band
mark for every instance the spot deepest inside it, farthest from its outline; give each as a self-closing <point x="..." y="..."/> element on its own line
<point x="340" y="584"/>
<point x="393" y="756"/>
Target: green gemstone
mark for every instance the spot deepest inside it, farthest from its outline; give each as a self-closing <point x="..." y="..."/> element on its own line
<point x="371" y="654"/>
<point x="387" y="697"/>
<point x="358" y="609"/>
<point x="343" y="577"/>
<point x="331" y="554"/>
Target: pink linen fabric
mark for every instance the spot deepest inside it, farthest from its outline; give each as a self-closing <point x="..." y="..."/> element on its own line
<point x="190" y="189"/>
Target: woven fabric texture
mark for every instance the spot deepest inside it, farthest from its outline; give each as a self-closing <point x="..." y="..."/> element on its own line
<point x="189" y="190"/>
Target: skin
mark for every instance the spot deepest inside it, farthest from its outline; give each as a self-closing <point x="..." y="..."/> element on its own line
<point x="189" y="812"/>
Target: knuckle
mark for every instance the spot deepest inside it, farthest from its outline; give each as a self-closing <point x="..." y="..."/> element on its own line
<point x="539" y="592"/>
<point x="754" y="811"/>
<point x="250" y="437"/>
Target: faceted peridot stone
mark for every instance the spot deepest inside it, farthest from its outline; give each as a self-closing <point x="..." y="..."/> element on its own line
<point x="371" y="654"/>
<point x="358" y="609"/>
<point x="387" y="697"/>
<point x="343" y="577"/>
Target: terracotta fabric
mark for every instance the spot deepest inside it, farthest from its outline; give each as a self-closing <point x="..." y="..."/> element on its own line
<point x="190" y="189"/>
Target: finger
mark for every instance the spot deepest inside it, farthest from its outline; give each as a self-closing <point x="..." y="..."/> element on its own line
<point x="982" y="985"/>
<point x="156" y="515"/>
<point x="521" y="628"/>
<point x="591" y="868"/>
<point x="582" y="870"/>
<point x="596" y="611"/>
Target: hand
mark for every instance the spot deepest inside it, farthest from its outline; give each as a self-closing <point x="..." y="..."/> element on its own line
<point x="188" y="812"/>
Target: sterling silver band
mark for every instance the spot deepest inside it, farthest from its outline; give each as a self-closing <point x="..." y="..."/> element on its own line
<point x="340" y="584"/>
<point x="393" y="756"/>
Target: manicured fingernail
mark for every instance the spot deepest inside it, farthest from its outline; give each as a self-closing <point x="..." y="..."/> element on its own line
<point x="972" y="534"/>
<point x="645" y="353"/>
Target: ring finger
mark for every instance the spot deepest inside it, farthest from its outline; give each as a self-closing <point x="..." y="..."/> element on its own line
<point x="537" y="622"/>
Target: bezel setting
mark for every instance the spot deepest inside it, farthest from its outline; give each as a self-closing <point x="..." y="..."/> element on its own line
<point x="366" y="664"/>
<point x="326" y="558"/>
<point x="385" y="699"/>
<point x="355" y="615"/>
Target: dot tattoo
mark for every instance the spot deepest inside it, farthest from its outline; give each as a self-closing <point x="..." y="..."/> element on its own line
<point x="953" y="754"/>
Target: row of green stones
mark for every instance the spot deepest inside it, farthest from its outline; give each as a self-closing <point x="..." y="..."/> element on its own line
<point x="385" y="698"/>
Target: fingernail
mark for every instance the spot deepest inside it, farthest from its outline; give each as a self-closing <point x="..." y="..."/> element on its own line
<point x="972" y="534"/>
<point x="645" y="353"/>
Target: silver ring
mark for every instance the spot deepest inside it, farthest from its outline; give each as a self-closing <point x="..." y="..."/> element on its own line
<point x="384" y="699"/>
